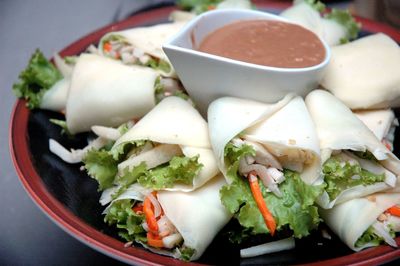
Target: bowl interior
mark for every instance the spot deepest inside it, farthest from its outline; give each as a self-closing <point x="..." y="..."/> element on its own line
<point x="189" y="38"/>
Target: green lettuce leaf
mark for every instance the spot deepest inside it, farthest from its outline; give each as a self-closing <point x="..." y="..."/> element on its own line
<point x="369" y="237"/>
<point x="181" y="95"/>
<point x="338" y="176"/>
<point x="180" y="169"/>
<point x="129" y="177"/>
<point x="233" y="154"/>
<point x="63" y="125"/>
<point x="197" y="6"/>
<point x="343" y="17"/>
<point x="120" y="213"/>
<point x="115" y="38"/>
<point x="186" y="253"/>
<point x="294" y="210"/>
<point x="122" y="149"/>
<point x="101" y="166"/>
<point x="317" y="5"/>
<point x="367" y="155"/>
<point x="71" y="60"/>
<point x="123" y="128"/>
<point x="159" y="64"/>
<point x="38" y="77"/>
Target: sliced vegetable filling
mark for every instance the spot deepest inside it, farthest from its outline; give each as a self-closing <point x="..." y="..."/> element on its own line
<point x="346" y="170"/>
<point x="118" y="48"/>
<point x="145" y="222"/>
<point x="270" y="198"/>
<point x="383" y="230"/>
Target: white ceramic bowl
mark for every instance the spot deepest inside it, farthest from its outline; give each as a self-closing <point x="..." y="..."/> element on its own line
<point x="207" y="77"/>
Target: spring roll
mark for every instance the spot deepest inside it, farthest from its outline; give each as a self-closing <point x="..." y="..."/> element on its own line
<point x="276" y="143"/>
<point x="169" y="148"/>
<point x="107" y="93"/>
<point x="141" y="46"/>
<point x="365" y="73"/>
<point x="187" y="222"/>
<point x="365" y="222"/>
<point x="355" y="162"/>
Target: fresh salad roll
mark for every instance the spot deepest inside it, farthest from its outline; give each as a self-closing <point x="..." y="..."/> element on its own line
<point x="366" y="222"/>
<point x="41" y="84"/>
<point x="107" y="93"/>
<point x="382" y="123"/>
<point x="355" y="162"/>
<point x="141" y="46"/>
<point x="168" y="149"/>
<point x="365" y="73"/>
<point x="171" y="223"/>
<point x="270" y="157"/>
<point x="335" y="26"/>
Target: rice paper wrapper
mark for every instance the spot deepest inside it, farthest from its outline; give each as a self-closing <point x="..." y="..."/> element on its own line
<point x="107" y="93"/>
<point x="380" y="122"/>
<point x="365" y="73"/>
<point x="198" y="215"/>
<point x="284" y="129"/>
<point x="339" y="129"/>
<point x="351" y="219"/>
<point x="55" y="99"/>
<point x="149" y="39"/>
<point x="176" y="121"/>
<point x="306" y="16"/>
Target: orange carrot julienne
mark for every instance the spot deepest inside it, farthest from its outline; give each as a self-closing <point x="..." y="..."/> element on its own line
<point x="262" y="206"/>
<point x="138" y="208"/>
<point x="387" y="144"/>
<point x="394" y="210"/>
<point x="154" y="240"/>
<point x="149" y="215"/>
<point x="107" y="47"/>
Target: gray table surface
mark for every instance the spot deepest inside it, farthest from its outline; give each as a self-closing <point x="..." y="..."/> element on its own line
<point x="27" y="236"/>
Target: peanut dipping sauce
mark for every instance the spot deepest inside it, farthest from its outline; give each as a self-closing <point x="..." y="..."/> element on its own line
<point x="265" y="42"/>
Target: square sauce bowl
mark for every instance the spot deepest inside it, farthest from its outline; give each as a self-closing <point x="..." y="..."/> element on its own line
<point x="207" y="77"/>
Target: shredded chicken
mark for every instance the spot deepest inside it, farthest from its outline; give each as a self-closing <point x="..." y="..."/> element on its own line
<point x="265" y="164"/>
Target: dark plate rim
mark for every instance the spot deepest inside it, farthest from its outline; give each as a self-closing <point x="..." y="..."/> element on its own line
<point x="73" y="225"/>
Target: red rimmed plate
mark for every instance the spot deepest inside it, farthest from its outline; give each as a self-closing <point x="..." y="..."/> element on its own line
<point x="70" y="198"/>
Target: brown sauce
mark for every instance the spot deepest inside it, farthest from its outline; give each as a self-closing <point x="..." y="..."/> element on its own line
<point x="265" y="42"/>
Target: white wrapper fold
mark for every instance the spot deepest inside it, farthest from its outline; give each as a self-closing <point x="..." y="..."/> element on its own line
<point x="285" y="129"/>
<point x="176" y="121"/>
<point x="307" y="16"/>
<point x="149" y="39"/>
<point x="381" y="122"/>
<point x="55" y="99"/>
<point x="339" y="129"/>
<point x="351" y="219"/>
<point x="197" y="215"/>
<point x="365" y="73"/>
<point x="107" y="93"/>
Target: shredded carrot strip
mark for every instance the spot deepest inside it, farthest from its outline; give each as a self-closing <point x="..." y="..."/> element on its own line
<point x="387" y="145"/>
<point x="262" y="206"/>
<point x="211" y="7"/>
<point x="154" y="240"/>
<point x="138" y="208"/>
<point x="395" y="210"/>
<point x="107" y="47"/>
<point x="149" y="215"/>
